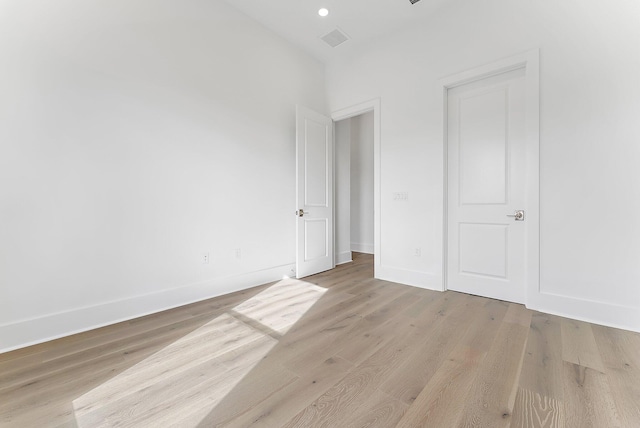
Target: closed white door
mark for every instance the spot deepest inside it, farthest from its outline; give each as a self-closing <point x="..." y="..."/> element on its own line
<point x="314" y="192"/>
<point x="487" y="187"/>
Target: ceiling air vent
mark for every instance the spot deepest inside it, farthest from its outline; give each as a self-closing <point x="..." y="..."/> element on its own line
<point x="335" y="38"/>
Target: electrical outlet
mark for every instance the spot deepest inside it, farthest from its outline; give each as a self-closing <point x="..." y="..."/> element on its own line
<point x="205" y="258"/>
<point x="418" y="252"/>
<point x="401" y="196"/>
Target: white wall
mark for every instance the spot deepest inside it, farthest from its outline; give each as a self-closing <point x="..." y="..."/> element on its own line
<point x="343" y="191"/>
<point x="362" y="183"/>
<point x="135" y="136"/>
<point x="589" y="150"/>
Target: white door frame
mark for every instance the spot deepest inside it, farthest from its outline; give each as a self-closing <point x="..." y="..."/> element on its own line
<point x="347" y="113"/>
<point x="530" y="61"/>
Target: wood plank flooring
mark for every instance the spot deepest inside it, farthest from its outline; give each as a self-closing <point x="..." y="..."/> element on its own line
<point x="338" y="349"/>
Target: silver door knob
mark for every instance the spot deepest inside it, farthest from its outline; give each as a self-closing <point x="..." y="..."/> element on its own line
<point x="518" y="215"/>
<point x="301" y="212"/>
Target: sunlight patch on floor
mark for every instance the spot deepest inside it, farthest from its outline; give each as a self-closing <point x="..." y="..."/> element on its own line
<point x="280" y="306"/>
<point x="184" y="381"/>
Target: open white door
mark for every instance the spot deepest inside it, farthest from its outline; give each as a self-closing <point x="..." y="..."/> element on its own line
<point x="314" y="192"/>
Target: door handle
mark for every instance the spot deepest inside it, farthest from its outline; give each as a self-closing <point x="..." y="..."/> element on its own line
<point x="518" y="215"/>
<point x="301" y="212"/>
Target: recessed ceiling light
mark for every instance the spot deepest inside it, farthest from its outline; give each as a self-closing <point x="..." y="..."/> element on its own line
<point x="323" y="11"/>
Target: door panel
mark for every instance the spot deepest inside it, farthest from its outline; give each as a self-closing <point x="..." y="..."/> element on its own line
<point x="483" y="249"/>
<point x="482" y="131"/>
<point x="314" y="192"/>
<point x="315" y="239"/>
<point x="486" y="161"/>
<point x="316" y="164"/>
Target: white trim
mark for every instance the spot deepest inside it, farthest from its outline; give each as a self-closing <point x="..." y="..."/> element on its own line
<point x="344" y="257"/>
<point x="336" y="256"/>
<point x="617" y="316"/>
<point x="414" y="278"/>
<point x="349" y="112"/>
<point x="530" y="62"/>
<point x="362" y="248"/>
<point x="32" y="331"/>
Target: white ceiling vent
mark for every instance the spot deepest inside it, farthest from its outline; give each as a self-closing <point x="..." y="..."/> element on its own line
<point x="335" y="38"/>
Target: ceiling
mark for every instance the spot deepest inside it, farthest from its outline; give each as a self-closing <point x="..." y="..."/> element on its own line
<point x="362" y="20"/>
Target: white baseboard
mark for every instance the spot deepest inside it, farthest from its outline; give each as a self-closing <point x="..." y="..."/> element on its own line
<point x="602" y="313"/>
<point x="42" y="329"/>
<point x="623" y="317"/>
<point x="424" y="280"/>
<point x="344" y="257"/>
<point x="362" y="248"/>
<point x="53" y="326"/>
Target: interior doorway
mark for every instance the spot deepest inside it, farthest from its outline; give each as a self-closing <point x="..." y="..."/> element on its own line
<point x="354" y="187"/>
<point x="316" y="229"/>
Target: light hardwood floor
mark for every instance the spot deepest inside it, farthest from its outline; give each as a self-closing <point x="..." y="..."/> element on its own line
<point x="338" y="349"/>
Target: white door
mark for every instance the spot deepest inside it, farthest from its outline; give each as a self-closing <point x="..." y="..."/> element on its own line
<point x="486" y="186"/>
<point x="314" y="192"/>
